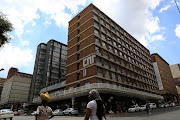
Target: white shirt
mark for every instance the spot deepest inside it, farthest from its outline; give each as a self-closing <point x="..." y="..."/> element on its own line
<point x="93" y="106"/>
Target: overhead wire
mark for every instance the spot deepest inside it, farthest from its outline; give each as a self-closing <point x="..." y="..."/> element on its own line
<point x="177" y="5"/>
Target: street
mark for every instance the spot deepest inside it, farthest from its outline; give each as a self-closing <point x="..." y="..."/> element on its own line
<point x="157" y="114"/>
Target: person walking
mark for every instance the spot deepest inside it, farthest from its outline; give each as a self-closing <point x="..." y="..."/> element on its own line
<point x="148" y="108"/>
<point x="95" y="109"/>
<point x="44" y="112"/>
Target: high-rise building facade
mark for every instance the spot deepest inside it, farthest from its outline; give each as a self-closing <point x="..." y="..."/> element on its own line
<point x="16" y="89"/>
<point x="50" y="66"/>
<point x="2" y="81"/>
<point x="175" y="69"/>
<point x="162" y="69"/>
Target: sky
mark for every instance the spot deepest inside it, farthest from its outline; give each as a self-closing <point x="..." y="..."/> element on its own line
<point x="154" y="23"/>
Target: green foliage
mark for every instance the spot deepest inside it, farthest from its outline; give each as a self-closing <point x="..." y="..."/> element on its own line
<point x="5" y="26"/>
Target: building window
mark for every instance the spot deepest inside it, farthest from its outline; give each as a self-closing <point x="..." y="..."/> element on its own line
<point x="97" y="41"/>
<point x="120" y="47"/>
<point x="107" y="25"/>
<point x="104" y="44"/>
<point x="109" y="40"/>
<point x="101" y="14"/>
<point x="106" y="63"/>
<point x="105" y="53"/>
<point x="115" y="43"/>
<point x="98" y="50"/>
<point x="96" y="32"/>
<point x="113" y="29"/>
<point x="103" y="36"/>
<point x="99" y="80"/>
<point x="119" y="78"/>
<point x="102" y="21"/>
<point x="107" y="19"/>
<point x="102" y="28"/>
<point x="108" y="33"/>
<point x="96" y="24"/>
<point x="99" y="71"/>
<point x="111" y="56"/>
<point x="115" y="50"/>
<point x="99" y="60"/>
<point x="95" y="16"/>
<point x="113" y="76"/>
<point x="107" y="73"/>
<point x="110" y="48"/>
<point x="95" y="10"/>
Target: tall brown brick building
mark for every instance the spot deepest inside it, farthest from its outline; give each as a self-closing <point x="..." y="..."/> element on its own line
<point x="168" y="87"/>
<point x="102" y="55"/>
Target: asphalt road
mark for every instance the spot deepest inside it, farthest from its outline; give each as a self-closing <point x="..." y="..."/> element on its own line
<point x="157" y="114"/>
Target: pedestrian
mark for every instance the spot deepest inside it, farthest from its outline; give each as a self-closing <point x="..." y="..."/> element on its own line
<point x="148" y="108"/>
<point x="44" y="112"/>
<point x="95" y="109"/>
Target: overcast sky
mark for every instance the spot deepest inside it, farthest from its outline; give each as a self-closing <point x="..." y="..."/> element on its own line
<point x="154" y="23"/>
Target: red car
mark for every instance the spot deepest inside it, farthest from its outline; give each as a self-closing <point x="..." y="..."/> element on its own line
<point x="16" y="113"/>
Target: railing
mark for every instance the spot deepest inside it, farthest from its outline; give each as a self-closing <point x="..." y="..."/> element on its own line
<point x="59" y="94"/>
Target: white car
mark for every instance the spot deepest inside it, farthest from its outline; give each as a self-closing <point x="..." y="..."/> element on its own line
<point x="6" y="114"/>
<point x="152" y="105"/>
<point x="134" y="108"/>
<point x="70" y="111"/>
<point x="142" y="107"/>
<point x="58" y="112"/>
<point x="161" y="105"/>
<point x="34" y="113"/>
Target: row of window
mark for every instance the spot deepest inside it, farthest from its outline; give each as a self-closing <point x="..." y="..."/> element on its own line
<point x="122" y="40"/>
<point x="123" y="79"/>
<point x="113" y="25"/>
<point x="127" y="62"/>
<point x="117" y="50"/>
<point x="135" y="72"/>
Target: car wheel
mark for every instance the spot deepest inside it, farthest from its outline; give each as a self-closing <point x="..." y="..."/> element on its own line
<point x="11" y="118"/>
<point x="63" y="114"/>
<point x="70" y="114"/>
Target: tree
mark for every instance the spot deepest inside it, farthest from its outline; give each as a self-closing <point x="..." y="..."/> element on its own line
<point x="5" y="27"/>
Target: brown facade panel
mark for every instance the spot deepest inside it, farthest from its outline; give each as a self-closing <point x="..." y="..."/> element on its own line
<point x="87" y="41"/>
<point x="73" y="34"/>
<point x="87" y="17"/>
<point x="72" y="59"/>
<point x="86" y="25"/>
<point x="72" y="42"/>
<point x="72" y="50"/>
<point x="73" y="21"/>
<point x="71" y="68"/>
<point x="87" y="51"/>
<point x="87" y="33"/>
<point x="73" y="27"/>
<point x="71" y="78"/>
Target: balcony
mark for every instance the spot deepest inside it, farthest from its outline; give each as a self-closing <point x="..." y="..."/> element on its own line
<point x="102" y="88"/>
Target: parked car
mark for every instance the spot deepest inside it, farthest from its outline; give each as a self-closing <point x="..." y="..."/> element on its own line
<point x="161" y="105"/>
<point x="134" y="108"/>
<point x="6" y="114"/>
<point x="58" y="112"/>
<point x="34" y="113"/>
<point x="142" y="107"/>
<point x="172" y="104"/>
<point x="16" y="113"/>
<point x="70" y="111"/>
<point x="153" y="105"/>
<point x="166" y="105"/>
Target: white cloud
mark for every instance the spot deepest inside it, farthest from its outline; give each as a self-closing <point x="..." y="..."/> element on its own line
<point x="12" y="56"/>
<point x="177" y="30"/>
<point x="23" y="42"/>
<point x="21" y="13"/>
<point x="157" y="37"/>
<point x="164" y="8"/>
<point x="155" y="3"/>
<point x="46" y="23"/>
<point x="152" y="24"/>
